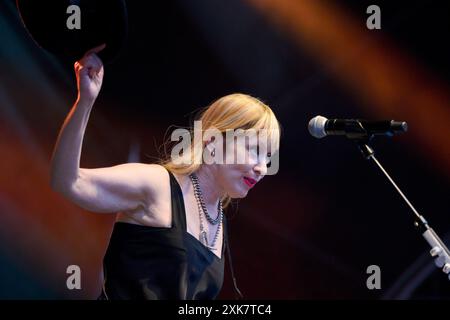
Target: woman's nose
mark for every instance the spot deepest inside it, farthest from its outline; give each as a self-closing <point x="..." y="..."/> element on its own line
<point x="260" y="168"/>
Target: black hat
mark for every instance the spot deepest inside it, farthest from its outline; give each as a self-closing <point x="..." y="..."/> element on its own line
<point x="53" y="24"/>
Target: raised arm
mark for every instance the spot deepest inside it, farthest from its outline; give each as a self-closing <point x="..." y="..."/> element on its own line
<point x="67" y="152"/>
<point x="113" y="189"/>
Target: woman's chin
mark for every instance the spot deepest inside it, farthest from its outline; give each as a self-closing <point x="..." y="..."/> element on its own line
<point x="238" y="194"/>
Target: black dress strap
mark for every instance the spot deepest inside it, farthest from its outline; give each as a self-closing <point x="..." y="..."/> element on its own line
<point x="237" y="293"/>
<point x="178" y="209"/>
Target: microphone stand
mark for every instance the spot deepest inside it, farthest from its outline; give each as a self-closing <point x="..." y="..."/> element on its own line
<point x="438" y="251"/>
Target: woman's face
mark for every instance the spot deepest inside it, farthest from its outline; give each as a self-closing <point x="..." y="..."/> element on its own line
<point x="240" y="174"/>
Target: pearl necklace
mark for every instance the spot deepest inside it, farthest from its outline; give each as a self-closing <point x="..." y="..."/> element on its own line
<point x="202" y="208"/>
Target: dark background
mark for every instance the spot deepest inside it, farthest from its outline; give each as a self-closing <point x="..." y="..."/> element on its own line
<point x="309" y="232"/>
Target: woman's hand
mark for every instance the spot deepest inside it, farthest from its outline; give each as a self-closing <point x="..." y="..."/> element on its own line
<point x="89" y="72"/>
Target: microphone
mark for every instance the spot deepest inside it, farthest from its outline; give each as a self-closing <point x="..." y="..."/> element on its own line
<point x="320" y="127"/>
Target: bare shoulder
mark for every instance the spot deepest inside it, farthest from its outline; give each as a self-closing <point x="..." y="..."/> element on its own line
<point x="155" y="181"/>
<point x="154" y="178"/>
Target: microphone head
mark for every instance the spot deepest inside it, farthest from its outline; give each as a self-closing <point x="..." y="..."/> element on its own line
<point x="316" y="127"/>
<point x="399" y="126"/>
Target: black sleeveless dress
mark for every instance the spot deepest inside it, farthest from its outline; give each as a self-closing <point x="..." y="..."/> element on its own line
<point x="154" y="263"/>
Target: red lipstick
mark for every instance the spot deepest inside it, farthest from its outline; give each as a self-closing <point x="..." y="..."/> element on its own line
<point x="249" y="181"/>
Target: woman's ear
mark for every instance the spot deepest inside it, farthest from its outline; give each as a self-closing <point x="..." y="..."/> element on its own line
<point x="210" y="144"/>
<point x="211" y="149"/>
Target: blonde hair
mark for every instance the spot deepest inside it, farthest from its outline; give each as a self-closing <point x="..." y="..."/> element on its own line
<point x="233" y="111"/>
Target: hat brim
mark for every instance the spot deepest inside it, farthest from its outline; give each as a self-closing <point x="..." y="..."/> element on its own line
<point x="102" y="21"/>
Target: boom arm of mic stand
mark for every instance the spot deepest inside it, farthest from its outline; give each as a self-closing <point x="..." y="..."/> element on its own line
<point x="439" y="250"/>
